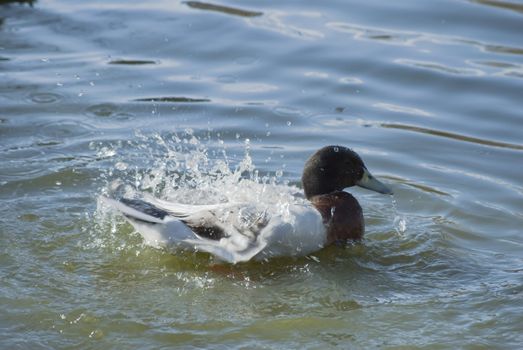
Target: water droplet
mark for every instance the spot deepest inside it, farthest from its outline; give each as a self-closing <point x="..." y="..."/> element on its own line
<point x="400" y="224"/>
<point x="120" y="166"/>
<point x="96" y="334"/>
<point x="336" y="149"/>
<point x="289" y="123"/>
<point x="314" y="258"/>
<point x="279" y="173"/>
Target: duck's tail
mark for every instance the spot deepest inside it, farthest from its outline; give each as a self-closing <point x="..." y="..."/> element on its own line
<point x="164" y="229"/>
<point x="155" y="225"/>
<point x="138" y="210"/>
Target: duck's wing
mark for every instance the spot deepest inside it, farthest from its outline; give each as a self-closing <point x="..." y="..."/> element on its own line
<point x="230" y="232"/>
<point x="254" y="233"/>
<point x="232" y="249"/>
<point x="180" y="209"/>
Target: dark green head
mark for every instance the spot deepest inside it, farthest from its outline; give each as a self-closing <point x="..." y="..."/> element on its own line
<point x="334" y="168"/>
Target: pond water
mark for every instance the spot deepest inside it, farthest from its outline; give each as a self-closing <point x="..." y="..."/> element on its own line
<point x="187" y="99"/>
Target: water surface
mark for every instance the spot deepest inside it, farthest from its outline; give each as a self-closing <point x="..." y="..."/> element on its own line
<point x="186" y="98"/>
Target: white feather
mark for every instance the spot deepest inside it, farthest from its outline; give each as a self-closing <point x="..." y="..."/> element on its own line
<point x="251" y="233"/>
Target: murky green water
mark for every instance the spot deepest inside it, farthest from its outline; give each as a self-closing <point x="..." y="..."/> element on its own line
<point x="159" y="95"/>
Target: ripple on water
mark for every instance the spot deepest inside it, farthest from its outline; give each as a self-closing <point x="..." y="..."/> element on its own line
<point x="350" y="80"/>
<point x="245" y="60"/>
<point x="234" y="11"/>
<point x="29" y="217"/>
<point x="360" y="32"/>
<point x="451" y="135"/>
<point x="45" y="97"/>
<point x="507" y="5"/>
<point x="249" y="87"/>
<point x="102" y="110"/>
<point x="336" y="121"/>
<point x="287" y="111"/>
<point x="58" y="130"/>
<point x="439" y="67"/>
<point x="227" y="79"/>
<point x="173" y="99"/>
<point x="133" y="62"/>
<point x="402" y="109"/>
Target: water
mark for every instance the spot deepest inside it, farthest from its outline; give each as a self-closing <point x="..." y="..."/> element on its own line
<point x="170" y="96"/>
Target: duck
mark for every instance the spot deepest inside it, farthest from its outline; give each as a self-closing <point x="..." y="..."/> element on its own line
<point x="238" y="232"/>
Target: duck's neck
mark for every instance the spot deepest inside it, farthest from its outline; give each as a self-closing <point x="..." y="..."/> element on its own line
<point x="342" y="215"/>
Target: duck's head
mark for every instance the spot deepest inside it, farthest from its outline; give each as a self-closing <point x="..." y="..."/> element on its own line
<point x="334" y="168"/>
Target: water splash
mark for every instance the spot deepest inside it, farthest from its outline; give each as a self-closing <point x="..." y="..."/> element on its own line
<point x="400" y="222"/>
<point x="191" y="169"/>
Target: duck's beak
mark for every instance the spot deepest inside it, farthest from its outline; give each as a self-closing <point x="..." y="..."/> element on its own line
<point x="371" y="183"/>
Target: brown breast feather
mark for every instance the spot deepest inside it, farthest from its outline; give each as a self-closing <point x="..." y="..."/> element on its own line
<point x="342" y="216"/>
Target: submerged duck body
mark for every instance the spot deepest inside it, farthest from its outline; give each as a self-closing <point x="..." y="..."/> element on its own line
<point x="236" y="232"/>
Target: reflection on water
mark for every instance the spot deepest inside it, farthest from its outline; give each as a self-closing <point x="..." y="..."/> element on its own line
<point x="501" y="4"/>
<point x="132" y="62"/>
<point x="442" y="68"/>
<point x="30" y="2"/>
<point x="408" y="38"/>
<point x="452" y="136"/>
<point x="172" y="99"/>
<point x="402" y="109"/>
<point x="223" y="9"/>
<point x="204" y="101"/>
